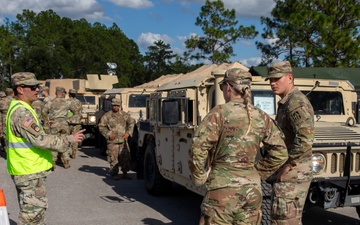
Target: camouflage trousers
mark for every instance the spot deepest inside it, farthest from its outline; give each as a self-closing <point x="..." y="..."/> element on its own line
<point x="60" y="129"/>
<point x="225" y="206"/>
<point x="33" y="201"/>
<point x="74" y="146"/>
<point x="290" y="195"/>
<point x="118" y="155"/>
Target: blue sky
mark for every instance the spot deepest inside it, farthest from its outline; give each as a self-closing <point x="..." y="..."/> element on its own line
<point x="146" y="21"/>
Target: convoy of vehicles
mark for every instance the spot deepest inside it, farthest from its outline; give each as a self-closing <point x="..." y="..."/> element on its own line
<point x="175" y="109"/>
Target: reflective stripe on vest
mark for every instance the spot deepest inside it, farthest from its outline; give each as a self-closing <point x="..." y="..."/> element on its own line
<point x="22" y="157"/>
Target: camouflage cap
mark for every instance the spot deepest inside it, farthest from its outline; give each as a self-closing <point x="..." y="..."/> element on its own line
<point x="278" y="69"/>
<point x="237" y="76"/>
<point x="2" y="94"/>
<point x="24" y="78"/>
<point x="44" y="88"/>
<point x="116" y="101"/>
<point x="60" y="89"/>
<point x="9" y="90"/>
<point x="72" y="91"/>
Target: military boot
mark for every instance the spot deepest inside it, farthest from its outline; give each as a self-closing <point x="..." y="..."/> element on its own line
<point x="126" y="176"/>
<point x="66" y="164"/>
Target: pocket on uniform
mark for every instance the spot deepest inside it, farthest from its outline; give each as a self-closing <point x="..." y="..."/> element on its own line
<point x="283" y="208"/>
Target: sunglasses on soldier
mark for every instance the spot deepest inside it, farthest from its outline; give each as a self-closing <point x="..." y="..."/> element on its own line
<point x="32" y="87"/>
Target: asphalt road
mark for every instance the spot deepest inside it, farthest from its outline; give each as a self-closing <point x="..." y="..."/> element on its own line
<point x="85" y="194"/>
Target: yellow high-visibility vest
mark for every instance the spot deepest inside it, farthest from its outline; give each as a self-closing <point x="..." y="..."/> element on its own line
<point x="22" y="157"/>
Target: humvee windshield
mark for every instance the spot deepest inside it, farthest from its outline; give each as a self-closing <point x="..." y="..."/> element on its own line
<point x="325" y="103"/>
<point x="86" y="100"/>
<point x="137" y="100"/>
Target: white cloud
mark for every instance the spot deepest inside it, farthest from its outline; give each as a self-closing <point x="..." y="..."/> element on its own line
<point x="137" y="4"/>
<point x="244" y="8"/>
<point x="249" y="62"/>
<point x="148" y="39"/>
<point x="75" y="9"/>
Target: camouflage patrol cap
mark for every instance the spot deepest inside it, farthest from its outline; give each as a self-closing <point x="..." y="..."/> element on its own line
<point x="116" y="101"/>
<point x="237" y="76"/>
<point x="24" y="78"/>
<point x="2" y="94"/>
<point x="60" y="89"/>
<point x="44" y="88"/>
<point x="278" y="69"/>
<point x="9" y="90"/>
<point x="72" y="91"/>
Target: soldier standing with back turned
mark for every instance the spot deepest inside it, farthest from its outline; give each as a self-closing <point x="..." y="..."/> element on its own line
<point x="54" y="115"/>
<point x="116" y="126"/>
<point x="295" y="116"/>
<point x="223" y="153"/>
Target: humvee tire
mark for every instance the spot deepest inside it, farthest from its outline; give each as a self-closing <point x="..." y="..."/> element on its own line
<point x="266" y="203"/>
<point x="155" y="183"/>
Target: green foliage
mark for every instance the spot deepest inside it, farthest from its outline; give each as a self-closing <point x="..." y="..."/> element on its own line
<point x="221" y="31"/>
<point x="51" y="47"/>
<point x="320" y="33"/>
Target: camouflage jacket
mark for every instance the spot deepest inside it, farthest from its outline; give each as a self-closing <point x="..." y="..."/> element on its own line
<point x="116" y="123"/>
<point x="295" y="116"/>
<point x="75" y="117"/>
<point x="23" y="124"/>
<point x="37" y="106"/>
<point x="56" y="109"/>
<point x="221" y="144"/>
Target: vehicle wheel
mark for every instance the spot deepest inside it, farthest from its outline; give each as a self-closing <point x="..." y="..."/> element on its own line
<point x="155" y="183"/>
<point x="266" y="203"/>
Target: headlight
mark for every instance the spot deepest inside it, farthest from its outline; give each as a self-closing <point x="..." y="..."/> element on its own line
<point x="92" y="119"/>
<point x="318" y="162"/>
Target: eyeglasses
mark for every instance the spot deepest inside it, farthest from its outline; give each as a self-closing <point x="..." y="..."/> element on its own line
<point x="33" y="87"/>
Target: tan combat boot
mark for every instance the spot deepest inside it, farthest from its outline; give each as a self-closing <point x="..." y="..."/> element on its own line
<point x="66" y="164"/>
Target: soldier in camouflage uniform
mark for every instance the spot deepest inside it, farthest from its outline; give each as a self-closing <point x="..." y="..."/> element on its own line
<point x="223" y="153"/>
<point x="29" y="159"/>
<point x="116" y="126"/>
<point x="295" y="116"/>
<point x="74" y="119"/>
<point x="3" y="111"/>
<point x="4" y="105"/>
<point x="54" y="115"/>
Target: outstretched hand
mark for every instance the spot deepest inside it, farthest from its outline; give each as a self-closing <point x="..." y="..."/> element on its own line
<point x="79" y="136"/>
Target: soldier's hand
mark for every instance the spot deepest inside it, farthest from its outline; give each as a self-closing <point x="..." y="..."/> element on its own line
<point x="79" y="136"/>
<point x="284" y="170"/>
<point x="126" y="135"/>
<point x="111" y="136"/>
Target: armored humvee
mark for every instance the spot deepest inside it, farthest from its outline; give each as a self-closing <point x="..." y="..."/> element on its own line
<point x="176" y="108"/>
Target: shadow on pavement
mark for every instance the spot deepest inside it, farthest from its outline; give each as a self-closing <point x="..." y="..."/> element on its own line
<point x="180" y="206"/>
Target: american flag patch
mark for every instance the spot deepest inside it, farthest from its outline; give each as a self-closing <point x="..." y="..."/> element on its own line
<point x="27" y="122"/>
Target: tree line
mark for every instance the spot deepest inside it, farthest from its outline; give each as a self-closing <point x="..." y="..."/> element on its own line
<point x="310" y="33"/>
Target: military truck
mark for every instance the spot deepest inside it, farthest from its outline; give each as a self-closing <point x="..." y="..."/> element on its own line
<point x="88" y="92"/>
<point x="175" y="110"/>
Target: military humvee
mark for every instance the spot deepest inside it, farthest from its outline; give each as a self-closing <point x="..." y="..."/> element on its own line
<point x="175" y="110"/>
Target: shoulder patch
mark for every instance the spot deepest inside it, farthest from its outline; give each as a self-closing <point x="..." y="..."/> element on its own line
<point x="35" y="127"/>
